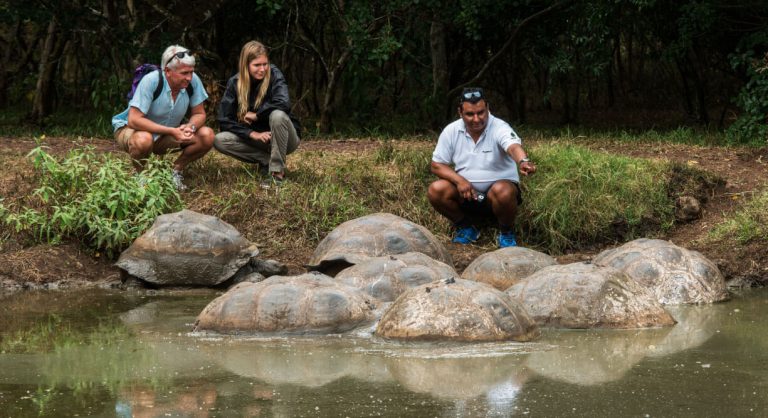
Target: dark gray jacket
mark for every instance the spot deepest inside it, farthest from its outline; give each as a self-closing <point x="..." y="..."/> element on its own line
<point x="276" y="99"/>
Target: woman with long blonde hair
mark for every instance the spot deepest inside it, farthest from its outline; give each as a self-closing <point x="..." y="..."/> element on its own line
<point x="255" y="115"/>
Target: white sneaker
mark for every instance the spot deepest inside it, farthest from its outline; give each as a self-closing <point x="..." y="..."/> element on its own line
<point x="178" y="180"/>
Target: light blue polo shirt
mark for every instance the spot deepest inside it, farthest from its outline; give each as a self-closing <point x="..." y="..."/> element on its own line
<point x="164" y="110"/>
<point x="481" y="163"/>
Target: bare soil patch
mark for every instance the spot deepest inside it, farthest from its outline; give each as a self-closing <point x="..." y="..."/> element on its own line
<point x="744" y="171"/>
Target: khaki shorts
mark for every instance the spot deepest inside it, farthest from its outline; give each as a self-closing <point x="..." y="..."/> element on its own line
<point x="164" y="142"/>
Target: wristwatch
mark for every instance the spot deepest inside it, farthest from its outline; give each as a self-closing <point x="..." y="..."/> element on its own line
<point x="524" y="160"/>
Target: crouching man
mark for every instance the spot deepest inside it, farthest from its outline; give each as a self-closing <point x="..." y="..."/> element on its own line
<point x="477" y="159"/>
<point x="152" y="122"/>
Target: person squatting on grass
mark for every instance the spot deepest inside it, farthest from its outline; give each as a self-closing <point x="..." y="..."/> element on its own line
<point x="154" y="126"/>
<point x="485" y="153"/>
<point x="255" y="115"/>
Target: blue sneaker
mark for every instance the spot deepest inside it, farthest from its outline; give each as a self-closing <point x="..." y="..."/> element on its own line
<point x="466" y="235"/>
<point x="507" y="239"/>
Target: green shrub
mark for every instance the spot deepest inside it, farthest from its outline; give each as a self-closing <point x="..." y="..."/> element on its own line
<point x="751" y="127"/>
<point x="93" y="198"/>
<point x="581" y="197"/>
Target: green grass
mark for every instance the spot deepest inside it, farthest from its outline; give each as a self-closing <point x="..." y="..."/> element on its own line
<point x="749" y="224"/>
<point x="680" y="135"/>
<point x="580" y="197"/>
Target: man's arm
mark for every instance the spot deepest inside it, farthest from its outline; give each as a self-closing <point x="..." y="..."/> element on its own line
<point x="137" y="120"/>
<point x="445" y="172"/>
<point x="518" y="154"/>
<point x="197" y="116"/>
<point x="196" y="121"/>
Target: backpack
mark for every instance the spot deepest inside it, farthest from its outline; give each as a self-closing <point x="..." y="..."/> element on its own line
<point x="145" y="69"/>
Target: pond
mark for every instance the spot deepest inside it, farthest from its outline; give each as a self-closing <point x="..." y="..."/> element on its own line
<point x="128" y="354"/>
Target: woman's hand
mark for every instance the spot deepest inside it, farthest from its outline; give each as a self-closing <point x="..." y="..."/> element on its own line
<point x="251" y="117"/>
<point x="264" y="137"/>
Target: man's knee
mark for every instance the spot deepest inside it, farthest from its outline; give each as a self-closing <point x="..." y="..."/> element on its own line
<point x="503" y="188"/>
<point x="440" y="190"/>
<point x="140" y="145"/>
<point x="206" y="138"/>
<point x="505" y="193"/>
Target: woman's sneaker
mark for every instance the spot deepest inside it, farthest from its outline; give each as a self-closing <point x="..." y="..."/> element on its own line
<point x="466" y="235"/>
<point x="507" y="239"/>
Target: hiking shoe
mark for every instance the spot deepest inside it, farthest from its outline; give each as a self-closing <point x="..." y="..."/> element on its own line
<point x="178" y="180"/>
<point x="466" y="235"/>
<point x="507" y="239"/>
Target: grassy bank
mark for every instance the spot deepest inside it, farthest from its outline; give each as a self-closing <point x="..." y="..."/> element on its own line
<point x="750" y="224"/>
<point x="579" y="199"/>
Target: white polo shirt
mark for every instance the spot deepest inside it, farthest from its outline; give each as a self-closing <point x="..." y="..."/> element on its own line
<point x="164" y="111"/>
<point x="481" y="163"/>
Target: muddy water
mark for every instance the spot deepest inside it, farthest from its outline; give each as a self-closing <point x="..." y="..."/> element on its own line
<point x="132" y="355"/>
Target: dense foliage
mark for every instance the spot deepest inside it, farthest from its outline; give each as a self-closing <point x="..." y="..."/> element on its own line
<point x="94" y="199"/>
<point x="397" y="65"/>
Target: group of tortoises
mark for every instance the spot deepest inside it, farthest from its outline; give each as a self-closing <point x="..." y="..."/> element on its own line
<point x="385" y="273"/>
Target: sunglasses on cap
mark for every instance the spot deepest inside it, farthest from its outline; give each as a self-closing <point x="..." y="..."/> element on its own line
<point x="472" y="95"/>
<point x="178" y="55"/>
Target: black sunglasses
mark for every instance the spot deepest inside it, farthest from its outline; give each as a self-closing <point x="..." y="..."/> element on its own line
<point x="471" y="95"/>
<point x="178" y="55"/>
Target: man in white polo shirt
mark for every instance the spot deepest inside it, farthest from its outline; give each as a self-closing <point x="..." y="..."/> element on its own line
<point x="477" y="159"/>
<point x="152" y="124"/>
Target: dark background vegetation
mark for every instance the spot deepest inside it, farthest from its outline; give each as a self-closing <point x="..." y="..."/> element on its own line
<point x="394" y="67"/>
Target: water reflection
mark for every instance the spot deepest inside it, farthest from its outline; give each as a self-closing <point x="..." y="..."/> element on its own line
<point x="297" y="362"/>
<point x="461" y="377"/>
<point x="118" y="354"/>
<point x="196" y="400"/>
<point x="595" y="357"/>
<point x="695" y="325"/>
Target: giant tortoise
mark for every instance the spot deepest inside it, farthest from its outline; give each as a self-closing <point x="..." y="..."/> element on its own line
<point x="456" y="310"/>
<point x="506" y="266"/>
<point x="673" y="274"/>
<point x="187" y="249"/>
<point x="374" y="235"/>
<point x="583" y="295"/>
<point x="385" y="278"/>
<point x="311" y="303"/>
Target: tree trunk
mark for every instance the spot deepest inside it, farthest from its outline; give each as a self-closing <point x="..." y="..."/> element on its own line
<point x="439" y="72"/>
<point x="330" y="91"/>
<point x="42" y="102"/>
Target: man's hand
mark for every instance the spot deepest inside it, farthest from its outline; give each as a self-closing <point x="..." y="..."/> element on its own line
<point x="264" y="137"/>
<point x="527" y="167"/>
<point x="465" y="190"/>
<point x="183" y="135"/>
<point x="250" y="117"/>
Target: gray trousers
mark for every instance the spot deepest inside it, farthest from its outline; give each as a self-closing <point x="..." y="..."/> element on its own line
<point x="284" y="141"/>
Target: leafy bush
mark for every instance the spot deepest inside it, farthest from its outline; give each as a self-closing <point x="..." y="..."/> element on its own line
<point x="752" y="125"/>
<point x="94" y="198"/>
